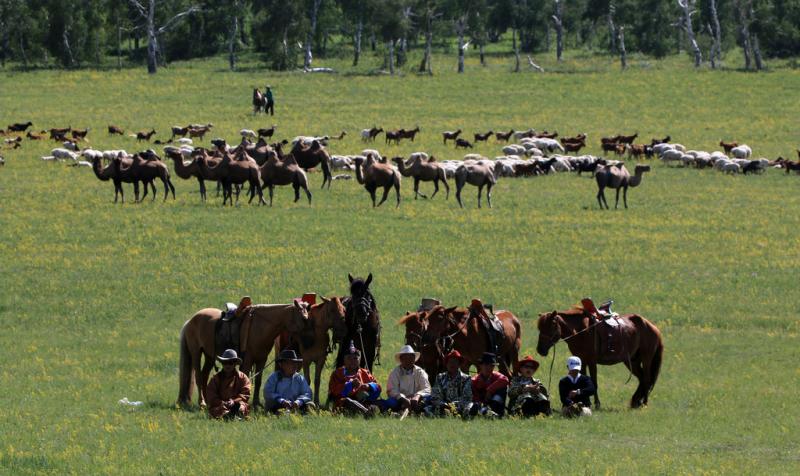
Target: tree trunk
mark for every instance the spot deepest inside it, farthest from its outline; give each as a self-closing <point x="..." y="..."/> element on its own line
<point x="357" y="41"/>
<point x="515" y="45"/>
<point x="559" y="29"/>
<point x="716" y="48"/>
<point x="754" y="39"/>
<point x="119" y="46"/>
<point x="310" y="36"/>
<point x="481" y="53"/>
<point x="390" y="45"/>
<point x="68" y="49"/>
<point x="22" y="52"/>
<point x="460" y="26"/>
<point x="425" y="66"/>
<point x="688" y="9"/>
<point x="623" y="61"/>
<point x="744" y="32"/>
<point x="233" y="37"/>
<point x="612" y="37"/>
<point x="152" y="41"/>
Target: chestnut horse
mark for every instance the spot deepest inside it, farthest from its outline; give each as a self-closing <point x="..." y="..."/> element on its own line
<point x="263" y="323"/>
<point x="313" y="344"/>
<point x="640" y="346"/>
<point x="441" y="330"/>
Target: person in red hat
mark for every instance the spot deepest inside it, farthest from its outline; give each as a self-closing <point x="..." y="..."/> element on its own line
<point x="528" y="396"/>
<point x="489" y="389"/>
<point x="452" y="391"/>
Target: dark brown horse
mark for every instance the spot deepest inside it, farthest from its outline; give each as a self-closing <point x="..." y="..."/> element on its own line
<point x="363" y="323"/>
<point x="639" y="346"/>
<point x="260" y="326"/>
<point x="441" y="330"/>
<point x="313" y="343"/>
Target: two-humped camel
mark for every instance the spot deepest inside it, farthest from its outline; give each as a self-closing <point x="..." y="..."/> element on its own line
<point x="373" y="174"/>
<point x="425" y="171"/>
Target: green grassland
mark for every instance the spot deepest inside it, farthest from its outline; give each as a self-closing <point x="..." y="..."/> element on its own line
<point x="94" y="294"/>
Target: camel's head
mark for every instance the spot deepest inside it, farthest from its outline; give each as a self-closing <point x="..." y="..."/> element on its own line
<point x="640" y="169"/>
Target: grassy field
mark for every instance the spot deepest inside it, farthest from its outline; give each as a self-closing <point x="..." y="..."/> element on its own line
<point x="94" y="294"/>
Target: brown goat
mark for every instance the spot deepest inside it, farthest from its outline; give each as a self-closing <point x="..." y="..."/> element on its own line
<point x="727" y="146"/>
<point x="78" y="134"/>
<point x="144" y="136"/>
<point x="115" y="130"/>
<point x="409" y="133"/>
<point x="628" y="139"/>
<point x="394" y="136"/>
<point x="268" y="132"/>
<point x="503" y="136"/>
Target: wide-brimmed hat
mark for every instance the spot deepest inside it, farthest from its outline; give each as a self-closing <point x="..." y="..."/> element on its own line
<point x="454" y="354"/>
<point x="428" y="303"/>
<point x="574" y="363"/>
<point x="288" y="354"/>
<point x="406" y="349"/>
<point x="229" y="355"/>
<point x="488" y="358"/>
<point x="528" y="361"/>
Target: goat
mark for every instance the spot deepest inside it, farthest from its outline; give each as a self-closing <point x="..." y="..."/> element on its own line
<point x="394" y="136"/>
<point x="409" y="133"/>
<point x="546" y="135"/>
<point x="451" y="135"/>
<point x="636" y="150"/>
<point x="727" y="146"/>
<point x="115" y="130"/>
<point x="19" y="126"/>
<point x="520" y="134"/>
<point x="79" y="135"/>
<point x="463" y="143"/>
<point x="178" y="131"/>
<point x="503" y="136"/>
<point x="482" y="137"/>
<point x="665" y="140"/>
<point x="627" y="139"/>
<point x="340" y="136"/>
<point x="32" y="136"/>
<point x="199" y="131"/>
<point x="368" y="135"/>
<point x="267" y="133"/>
<point x="144" y="136"/>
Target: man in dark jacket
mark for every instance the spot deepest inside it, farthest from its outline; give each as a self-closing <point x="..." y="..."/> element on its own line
<point x="575" y="388"/>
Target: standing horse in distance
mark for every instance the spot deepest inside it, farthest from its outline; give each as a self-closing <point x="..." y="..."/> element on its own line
<point x="259" y="102"/>
<point x="639" y="340"/>
<point x="363" y="323"/>
<point x="260" y="325"/>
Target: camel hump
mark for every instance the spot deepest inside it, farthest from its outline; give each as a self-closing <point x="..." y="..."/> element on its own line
<point x="432" y="159"/>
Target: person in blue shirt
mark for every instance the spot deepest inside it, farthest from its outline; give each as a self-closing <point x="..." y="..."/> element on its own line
<point x="286" y="390"/>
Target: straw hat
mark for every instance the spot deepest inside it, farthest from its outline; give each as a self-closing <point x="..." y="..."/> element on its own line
<point x="405" y="350"/>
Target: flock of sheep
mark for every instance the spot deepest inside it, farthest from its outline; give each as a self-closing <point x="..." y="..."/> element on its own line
<point x="530" y="154"/>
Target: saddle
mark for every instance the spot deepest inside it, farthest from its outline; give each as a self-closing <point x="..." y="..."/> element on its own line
<point x="608" y="331"/>
<point x="495" y="331"/>
<point x="229" y="329"/>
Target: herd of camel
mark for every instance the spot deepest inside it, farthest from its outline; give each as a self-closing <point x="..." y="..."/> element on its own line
<point x="258" y="165"/>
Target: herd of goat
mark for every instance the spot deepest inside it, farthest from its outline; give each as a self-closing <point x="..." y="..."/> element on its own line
<point x="256" y="163"/>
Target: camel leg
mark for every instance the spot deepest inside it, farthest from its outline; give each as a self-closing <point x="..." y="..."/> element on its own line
<point x="489" y="194"/>
<point x="397" y="192"/>
<point x="136" y="191"/>
<point x="416" y="189"/>
<point x="371" y="191"/>
<point x="435" y="188"/>
<point x="625" y="196"/>
<point x="458" y="195"/>
<point x="202" y="189"/>
<point x="271" y="192"/>
<point x="308" y="193"/>
<point x="296" y="192"/>
<point x="219" y="186"/>
<point x="260" y="193"/>
<point x="385" y="194"/>
<point x="171" y="187"/>
<point x="616" y="202"/>
<point x="166" y="190"/>
<point x="480" y="192"/>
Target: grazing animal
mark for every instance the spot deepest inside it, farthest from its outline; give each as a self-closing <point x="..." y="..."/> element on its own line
<point x="33" y="136"/>
<point x="147" y="167"/>
<point x="482" y="137"/>
<point x="372" y="174"/>
<point x="19" y="126"/>
<point x="79" y="135"/>
<point x="230" y="171"/>
<point x="423" y="170"/>
<point x="641" y="347"/>
<point x="503" y="136"/>
<point x="409" y="133"/>
<point x="59" y="134"/>
<point x="276" y="172"/>
<point x="636" y="150"/>
<point x="340" y="136"/>
<point x="144" y="136"/>
<point x="115" y="130"/>
<point x="200" y="131"/>
<point x="609" y="147"/>
<point x="573" y="146"/>
<point x="178" y="131"/>
<point x="547" y="135"/>
<point x="477" y="174"/>
<point x="742" y="152"/>
<point x="578" y="138"/>
<point x="727" y="146"/>
<point x="368" y="135"/>
<point x="628" y="139"/>
<point x="617" y="177"/>
<point x="262" y="323"/>
<point x="187" y="170"/>
<point x="311" y="156"/>
<point x="665" y="140"/>
<point x="248" y="134"/>
<point x="393" y="136"/>
<point x="463" y="143"/>
<point x="363" y="321"/>
<point x="450" y="135"/>
<point x="267" y="132"/>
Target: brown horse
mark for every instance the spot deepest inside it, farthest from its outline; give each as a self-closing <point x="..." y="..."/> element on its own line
<point x="640" y="346"/>
<point x="314" y="346"/>
<point x="445" y="329"/>
<point x="261" y="325"/>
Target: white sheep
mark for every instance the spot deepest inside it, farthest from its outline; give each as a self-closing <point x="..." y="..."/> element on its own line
<point x="372" y="152"/>
<point x="64" y="154"/>
<point x="48" y="158"/>
<point x="113" y="154"/>
<point x="731" y="168"/>
<point x="742" y="152"/>
<point x="671" y="155"/>
<point x="92" y="154"/>
<point x="185" y="141"/>
<point x="659" y="149"/>
<point x="561" y="164"/>
<point x="515" y="149"/>
<point x="341" y="162"/>
<point x="70" y="145"/>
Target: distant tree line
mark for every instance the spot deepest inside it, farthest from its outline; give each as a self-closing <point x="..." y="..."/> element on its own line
<point x="292" y="33"/>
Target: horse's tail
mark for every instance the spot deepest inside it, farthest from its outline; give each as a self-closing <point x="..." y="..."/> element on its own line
<point x="655" y="365"/>
<point x="185" y="374"/>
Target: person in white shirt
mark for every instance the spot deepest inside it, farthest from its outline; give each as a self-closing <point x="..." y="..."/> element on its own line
<point x="408" y="387"/>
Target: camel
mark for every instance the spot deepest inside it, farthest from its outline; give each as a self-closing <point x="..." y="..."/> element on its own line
<point x="149" y="167"/>
<point x="479" y="175"/>
<point x="311" y="156"/>
<point x="284" y="172"/>
<point x="373" y="174"/>
<point x="187" y="170"/>
<point x="258" y="151"/>
<point x="120" y="171"/>
<point x="617" y="177"/>
<point x="426" y="171"/>
<point x="108" y="173"/>
<point x="231" y="171"/>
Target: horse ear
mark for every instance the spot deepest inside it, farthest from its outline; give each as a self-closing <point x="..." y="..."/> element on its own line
<point x="350" y="277"/>
<point x="324" y="299"/>
<point x="450" y="310"/>
<point x="369" y="279"/>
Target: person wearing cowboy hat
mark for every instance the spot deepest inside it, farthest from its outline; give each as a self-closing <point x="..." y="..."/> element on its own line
<point x="286" y="390"/>
<point x="354" y="389"/>
<point x="527" y="396"/>
<point x="228" y="391"/>
<point x="489" y="389"/>
<point x="452" y="390"/>
<point x="575" y="389"/>
<point x="408" y="387"/>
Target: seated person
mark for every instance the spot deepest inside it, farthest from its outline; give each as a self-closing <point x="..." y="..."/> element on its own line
<point x="408" y="387"/>
<point x="286" y="389"/>
<point x="229" y="390"/>
<point x="352" y="388"/>
<point x="527" y="396"/>
<point x="489" y="389"/>
<point x="452" y="391"/>
<point x="575" y="388"/>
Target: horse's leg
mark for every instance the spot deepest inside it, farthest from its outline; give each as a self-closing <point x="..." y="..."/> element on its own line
<point x="636" y="368"/>
<point x="196" y="355"/>
<point x="207" y="366"/>
<point x="593" y="376"/>
<point x="259" y="368"/>
<point x="318" y="365"/>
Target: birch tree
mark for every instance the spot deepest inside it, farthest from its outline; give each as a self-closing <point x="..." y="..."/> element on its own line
<point x="687" y="9"/>
<point x="148" y="14"/>
<point x="559" y="24"/>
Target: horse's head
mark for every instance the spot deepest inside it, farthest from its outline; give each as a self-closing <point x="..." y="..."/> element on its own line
<point x="361" y="301"/>
<point x="299" y="316"/>
<point x="415" y="323"/>
<point x="549" y="332"/>
<point x="359" y="286"/>
<point x="335" y="317"/>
